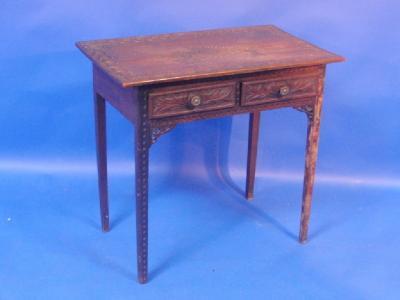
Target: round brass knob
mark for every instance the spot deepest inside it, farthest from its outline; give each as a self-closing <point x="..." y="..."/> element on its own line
<point x="195" y="101"/>
<point x="283" y="91"/>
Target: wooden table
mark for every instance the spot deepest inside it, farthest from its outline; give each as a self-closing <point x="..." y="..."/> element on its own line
<point x="159" y="81"/>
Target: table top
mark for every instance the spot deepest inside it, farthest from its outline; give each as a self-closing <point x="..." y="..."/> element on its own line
<point x="141" y="60"/>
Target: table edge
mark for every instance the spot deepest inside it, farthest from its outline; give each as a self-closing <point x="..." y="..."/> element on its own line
<point x="335" y="58"/>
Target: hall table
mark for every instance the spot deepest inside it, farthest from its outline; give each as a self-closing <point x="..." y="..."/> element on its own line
<point x="159" y="81"/>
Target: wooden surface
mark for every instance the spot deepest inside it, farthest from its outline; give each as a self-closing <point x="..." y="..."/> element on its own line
<point x="298" y="82"/>
<point x="101" y="147"/>
<point x="254" y="127"/>
<point x="314" y="120"/>
<point x="177" y="101"/>
<point x="157" y="82"/>
<point x="136" y="61"/>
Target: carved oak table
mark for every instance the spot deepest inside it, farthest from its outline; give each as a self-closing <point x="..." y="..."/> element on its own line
<point x="159" y="81"/>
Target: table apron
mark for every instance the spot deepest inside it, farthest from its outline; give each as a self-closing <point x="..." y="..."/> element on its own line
<point x="295" y="103"/>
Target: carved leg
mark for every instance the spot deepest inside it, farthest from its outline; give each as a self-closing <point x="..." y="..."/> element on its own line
<point x="101" y="146"/>
<point x="142" y="144"/>
<point x="313" y="114"/>
<point x="254" y="126"/>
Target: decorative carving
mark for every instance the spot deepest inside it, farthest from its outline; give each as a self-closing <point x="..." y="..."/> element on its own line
<point x="254" y="70"/>
<point x="141" y="165"/>
<point x="176" y="102"/>
<point x="135" y="61"/>
<point x="171" y="121"/>
<point x="269" y="90"/>
<point x="99" y="50"/>
<point x="307" y="109"/>
<point x="156" y="132"/>
<point x="314" y="116"/>
<point x="164" y="125"/>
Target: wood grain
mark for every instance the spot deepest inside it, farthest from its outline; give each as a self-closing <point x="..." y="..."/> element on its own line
<point x="314" y="119"/>
<point x="254" y="127"/>
<point x="101" y="147"/>
<point x="176" y="101"/>
<point x="135" y="61"/>
<point x="151" y="80"/>
<point x="261" y="91"/>
<point x="120" y="99"/>
<point x="142" y="145"/>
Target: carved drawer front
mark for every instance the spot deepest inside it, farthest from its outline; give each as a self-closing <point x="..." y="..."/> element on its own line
<point x="192" y="98"/>
<point x="277" y="89"/>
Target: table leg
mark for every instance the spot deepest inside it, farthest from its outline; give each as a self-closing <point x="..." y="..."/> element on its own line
<point x="141" y="174"/>
<point x="254" y="125"/>
<point x="101" y="148"/>
<point x="314" y="116"/>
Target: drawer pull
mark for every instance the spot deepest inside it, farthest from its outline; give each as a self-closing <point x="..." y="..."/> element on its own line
<point x="284" y="91"/>
<point x="194" y="101"/>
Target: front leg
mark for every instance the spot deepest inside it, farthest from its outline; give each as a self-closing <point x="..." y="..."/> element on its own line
<point x="314" y="117"/>
<point x="142" y="145"/>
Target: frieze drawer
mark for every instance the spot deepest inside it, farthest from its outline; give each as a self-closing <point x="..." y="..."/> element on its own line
<point x="174" y="101"/>
<point x="277" y="89"/>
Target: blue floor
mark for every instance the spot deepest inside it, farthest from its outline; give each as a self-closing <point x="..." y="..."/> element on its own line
<point x="206" y="241"/>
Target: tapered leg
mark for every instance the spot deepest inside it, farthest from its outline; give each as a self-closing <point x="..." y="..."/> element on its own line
<point x="141" y="166"/>
<point x="254" y="125"/>
<point x="314" y="116"/>
<point x="101" y="147"/>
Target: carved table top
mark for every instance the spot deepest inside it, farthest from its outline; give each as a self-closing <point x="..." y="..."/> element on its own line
<point x="136" y="61"/>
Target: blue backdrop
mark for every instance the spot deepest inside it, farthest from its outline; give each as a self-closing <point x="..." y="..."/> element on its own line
<point x="206" y="242"/>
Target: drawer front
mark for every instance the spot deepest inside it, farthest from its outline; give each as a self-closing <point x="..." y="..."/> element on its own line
<point x="189" y="99"/>
<point x="277" y="89"/>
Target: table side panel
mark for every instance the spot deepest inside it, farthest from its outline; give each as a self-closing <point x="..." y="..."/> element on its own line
<point x="122" y="99"/>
